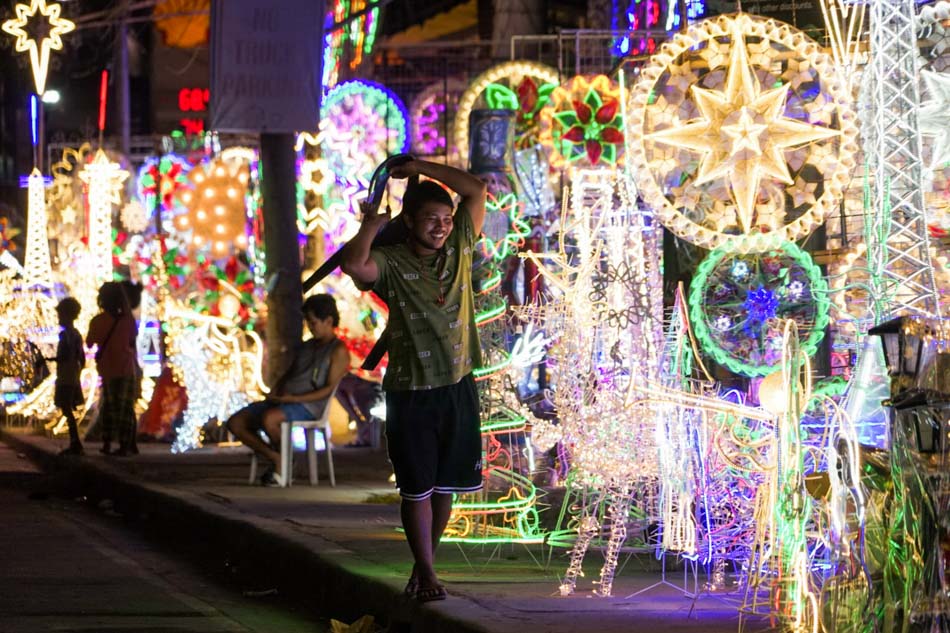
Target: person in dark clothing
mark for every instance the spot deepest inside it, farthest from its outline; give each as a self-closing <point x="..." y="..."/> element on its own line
<point x="70" y="359"/>
<point x="302" y="393"/>
<point x="114" y="331"/>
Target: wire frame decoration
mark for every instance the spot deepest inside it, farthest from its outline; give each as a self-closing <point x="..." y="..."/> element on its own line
<point x="741" y="133"/>
<point x="738" y="303"/>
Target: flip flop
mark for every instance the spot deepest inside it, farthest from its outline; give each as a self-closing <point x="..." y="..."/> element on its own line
<point x="412" y="587"/>
<point x="431" y="594"/>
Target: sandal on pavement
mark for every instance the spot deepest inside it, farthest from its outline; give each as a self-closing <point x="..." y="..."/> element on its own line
<point x="431" y="594"/>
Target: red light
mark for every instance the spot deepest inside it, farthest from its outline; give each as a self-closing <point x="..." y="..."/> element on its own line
<point x="193" y="99"/>
<point x="103" y="87"/>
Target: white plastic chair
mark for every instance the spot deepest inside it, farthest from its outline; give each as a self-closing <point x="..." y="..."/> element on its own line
<point x="311" y="428"/>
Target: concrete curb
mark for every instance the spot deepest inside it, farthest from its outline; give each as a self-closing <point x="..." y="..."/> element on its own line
<point x="316" y="572"/>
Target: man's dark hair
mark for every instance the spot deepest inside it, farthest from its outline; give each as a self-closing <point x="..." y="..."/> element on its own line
<point x="69" y="309"/>
<point x="418" y="193"/>
<point x="322" y="306"/>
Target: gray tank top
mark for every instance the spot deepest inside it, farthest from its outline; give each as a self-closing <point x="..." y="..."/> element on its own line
<point x="310" y="371"/>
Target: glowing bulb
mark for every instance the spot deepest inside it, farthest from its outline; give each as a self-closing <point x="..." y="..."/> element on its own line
<point x="229" y="306"/>
<point x="219" y="229"/>
<point x="219" y="210"/>
<point x="199" y="177"/>
<point x="186" y="197"/>
<point x="242" y="178"/>
<point x="772" y="394"/>
<point x="209" y="192"/>
<point x="241" y="240"/>
<point x="201" y="215"/>
<point x="232" y="192"/>
<point x="219" y="246"/>
<point x="219" y="172"/>
<point x="198" y="240"/>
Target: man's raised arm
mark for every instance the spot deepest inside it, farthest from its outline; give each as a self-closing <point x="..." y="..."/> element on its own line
<point x="357" y="262"/>
<point x="472" y="190"/>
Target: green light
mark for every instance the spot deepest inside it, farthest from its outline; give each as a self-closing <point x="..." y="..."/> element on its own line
<point x="741" y="365"/>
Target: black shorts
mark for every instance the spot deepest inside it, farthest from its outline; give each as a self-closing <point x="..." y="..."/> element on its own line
<point x="435" y="441"/>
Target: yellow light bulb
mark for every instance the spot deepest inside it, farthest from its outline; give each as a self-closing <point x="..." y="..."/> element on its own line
<point x="232" y="192"/>
<point x="209" y="192"/>
<point x="219" y="172"/>
<point x="219" y="210"/>
<point x="201" y="215"/>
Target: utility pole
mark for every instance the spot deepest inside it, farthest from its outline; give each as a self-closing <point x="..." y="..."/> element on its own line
<point x="282" y="252"/>
<point x="123" y="82"/>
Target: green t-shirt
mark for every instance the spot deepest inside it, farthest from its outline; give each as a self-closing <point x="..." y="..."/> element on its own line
<point x="432" y="336"/>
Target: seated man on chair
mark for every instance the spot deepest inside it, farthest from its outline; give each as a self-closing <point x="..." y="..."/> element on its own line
<point x="302" y="393"/>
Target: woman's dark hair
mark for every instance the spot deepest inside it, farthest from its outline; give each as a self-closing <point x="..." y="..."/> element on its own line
<point x="69" y="309"/>
<point x="322" y="306"/>
<point x="112" y="300"/>
<point x="119" y="297"/>
<point x="418" y="193"/>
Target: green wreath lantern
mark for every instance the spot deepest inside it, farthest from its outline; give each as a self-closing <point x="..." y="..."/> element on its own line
<point x="737" y="303"/>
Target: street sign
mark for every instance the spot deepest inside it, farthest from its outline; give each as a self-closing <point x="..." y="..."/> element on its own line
<point x="266" y="65"/>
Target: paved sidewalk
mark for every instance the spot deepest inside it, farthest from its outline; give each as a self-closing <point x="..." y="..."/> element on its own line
<point x="339" y="548"/>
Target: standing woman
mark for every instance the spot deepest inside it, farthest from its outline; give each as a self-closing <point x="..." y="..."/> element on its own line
<point x="114" y="331"/>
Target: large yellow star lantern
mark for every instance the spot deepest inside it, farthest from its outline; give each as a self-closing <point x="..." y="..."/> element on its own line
<point x="731" y="152"/>
<point x="38" y="29"/>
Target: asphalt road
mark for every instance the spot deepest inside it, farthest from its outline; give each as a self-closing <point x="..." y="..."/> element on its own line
<point x="68" y="566"/>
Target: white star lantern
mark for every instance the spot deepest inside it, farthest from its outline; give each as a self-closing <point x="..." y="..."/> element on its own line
<point x="38" y="29"/>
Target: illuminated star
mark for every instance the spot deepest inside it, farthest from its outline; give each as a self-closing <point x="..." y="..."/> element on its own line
<point x="934" y="116"/>
<point x="742" y="133"/>
<point x="316" y="176"/>
<point x="105" y="174"/>
<point x="38" y="29"/>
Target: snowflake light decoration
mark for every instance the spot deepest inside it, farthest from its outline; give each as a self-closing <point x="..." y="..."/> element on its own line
<point x="134" y="217"/>
<point x="730" y="122"/>
<point x="738" y="319"/>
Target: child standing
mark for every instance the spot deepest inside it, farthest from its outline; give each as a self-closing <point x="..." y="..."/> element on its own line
<point x="70" y="359"/>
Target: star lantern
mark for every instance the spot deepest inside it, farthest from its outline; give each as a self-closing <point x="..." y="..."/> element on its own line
<point x="161" y="179"/>
<point x="722" y="151"/>
<point x="521" y="86"/>
<point x="215" y="216"/>
<point x="38" y="29"/>
<point x="224" y="291"/>
<point x="526" y="100"/>
<point x="586" y="122"/>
